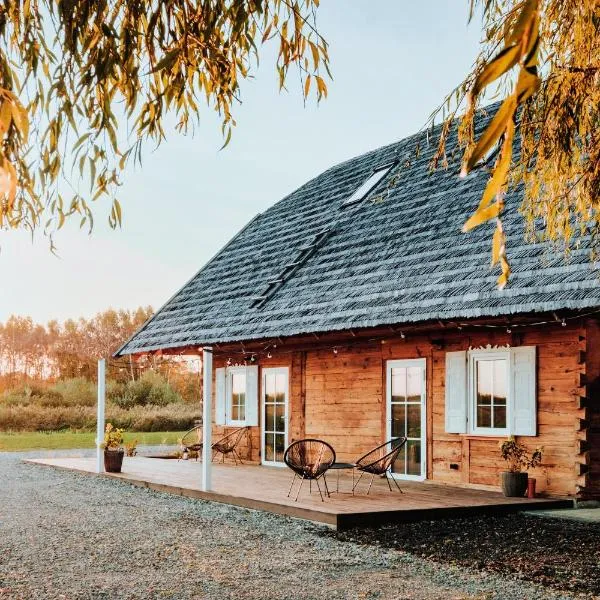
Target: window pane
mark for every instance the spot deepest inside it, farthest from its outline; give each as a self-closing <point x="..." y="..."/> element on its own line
<point x="279" y="447"/>
<point x="484" y="381"/>
<point x="484" y="416"/>
<point x="269" y="388"/>
<point x="279" y="418"/>
<point x="269" y="417"/>
<point x="242" y="408"/>
<point x="414" y="379"/>
<point x="269" y="446"/>
<point x="235" y="412"/>
<point x="399" y="466"/>
<point x="499" y="416"/>
<point x="399" y="384"/>
<point x="500" y="378"/>
<point x="414" y="420"/>
<point x="280" y="387"/>
<point x="398" y="420"/>
<point x="413" y="455"/>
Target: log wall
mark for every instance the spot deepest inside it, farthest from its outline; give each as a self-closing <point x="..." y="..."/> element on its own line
<point x="340" y="397"/>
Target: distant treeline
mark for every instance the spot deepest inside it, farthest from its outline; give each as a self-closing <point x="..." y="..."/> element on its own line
<point x="48" y="377"/>
<point x="30" y="350"/>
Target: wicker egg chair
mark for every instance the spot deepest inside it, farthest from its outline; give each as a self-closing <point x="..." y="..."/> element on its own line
<point x="379" y="462"/>
<point x="309" y="460"/>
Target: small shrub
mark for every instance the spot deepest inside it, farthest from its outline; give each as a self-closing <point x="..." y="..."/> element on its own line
<point x="151" y="388"/>
<point x="78" y="391"/>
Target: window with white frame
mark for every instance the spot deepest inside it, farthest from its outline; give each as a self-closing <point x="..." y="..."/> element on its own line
<point x="237" y="396"/>
<point x="491" y="391"/>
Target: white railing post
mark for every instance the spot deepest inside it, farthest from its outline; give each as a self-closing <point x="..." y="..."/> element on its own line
<point x="207" y="373"/>
<point x="100" y="416"/>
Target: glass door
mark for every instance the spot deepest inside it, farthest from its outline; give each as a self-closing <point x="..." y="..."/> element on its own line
<point x="406" y="415"/>
<point x="275" y="415"/>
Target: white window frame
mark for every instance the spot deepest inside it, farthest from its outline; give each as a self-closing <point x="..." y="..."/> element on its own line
<point x="474" y="357"/>
<point x="229" y="396"/>
<point x="273" y="371"/>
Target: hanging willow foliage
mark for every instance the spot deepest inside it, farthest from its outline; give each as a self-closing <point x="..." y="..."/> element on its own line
<point x="85" y="83"/>
<point x="544" y="57"/>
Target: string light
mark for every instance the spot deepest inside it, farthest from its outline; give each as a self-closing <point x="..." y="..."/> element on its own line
<point x="402" y="335"/>
<point x="335" y="350"/>
<point x="269" y="355"/>
<point x="508" y="330"/>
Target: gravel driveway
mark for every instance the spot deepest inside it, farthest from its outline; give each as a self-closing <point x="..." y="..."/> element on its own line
<point x="71" y="536"/>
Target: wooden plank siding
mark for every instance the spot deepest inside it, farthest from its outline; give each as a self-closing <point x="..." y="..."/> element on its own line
<point x="340" y="397"/>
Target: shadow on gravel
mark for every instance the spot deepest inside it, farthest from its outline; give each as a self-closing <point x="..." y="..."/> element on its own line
<point x="554" y="553"/>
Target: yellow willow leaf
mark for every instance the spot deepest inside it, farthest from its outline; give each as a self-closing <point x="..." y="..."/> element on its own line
<point x="265" y="36"/>
<point x="315" y="53"/>
<point x="482" y="215"/>
<point x="491" y="134"/>
<point x="5" y="116"/>
<point x="167" y="61"/>
<point x="528" y="12"/>
<point x="307" y="86"/>
<point x="118" y="213"/>
<point x="503" y="279"/>
<point x="501" y="63"/>
<point x="527" y="84"/>
<point x="321" y="86"/>
<point x="498" y="178"/>
<point x="497" y="243"/>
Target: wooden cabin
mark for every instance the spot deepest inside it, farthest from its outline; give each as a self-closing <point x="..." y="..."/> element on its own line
<point x="355" y="310"/>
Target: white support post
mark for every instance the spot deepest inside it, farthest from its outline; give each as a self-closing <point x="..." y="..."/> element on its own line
<point x="100" y="417"/>
<point x="207" y="372"/>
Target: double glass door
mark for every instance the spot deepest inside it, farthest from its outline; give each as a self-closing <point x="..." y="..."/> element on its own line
<point x="406" y="415"/>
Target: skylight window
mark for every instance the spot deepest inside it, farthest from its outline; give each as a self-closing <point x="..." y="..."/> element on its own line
<point x="362" y="191"/>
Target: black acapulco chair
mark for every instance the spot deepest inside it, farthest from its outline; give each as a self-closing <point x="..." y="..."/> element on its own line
<point x="228" y="445"/>
<point x="192" y="440"/>
<point x="309" y="459"/>
<point x="379" y="461"/>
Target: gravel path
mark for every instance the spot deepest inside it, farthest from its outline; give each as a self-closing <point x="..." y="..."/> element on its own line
<point x="71" y="536"/>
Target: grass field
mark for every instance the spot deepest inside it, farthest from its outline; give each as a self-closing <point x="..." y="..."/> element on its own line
<point x="19" y="441"/>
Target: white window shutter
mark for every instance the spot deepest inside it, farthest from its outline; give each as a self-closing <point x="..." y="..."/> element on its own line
<point x="523" y="384"/>
<point x="252" y="395"/>
<point x="456" y="392"/>
<point x="221" y="401"/>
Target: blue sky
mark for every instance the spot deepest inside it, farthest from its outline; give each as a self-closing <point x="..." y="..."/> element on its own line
<point x="393" y="61"/>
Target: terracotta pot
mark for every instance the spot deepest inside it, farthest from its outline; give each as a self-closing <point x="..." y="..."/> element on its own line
<point x="514" y="485"/>
<point x="113" y="460"/>
<point x="531" y="487"/>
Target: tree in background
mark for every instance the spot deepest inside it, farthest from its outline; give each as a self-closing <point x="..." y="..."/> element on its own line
<point x="77" y="77"/>
<point x="544" y="58"/>
<point x="70" y="349"/>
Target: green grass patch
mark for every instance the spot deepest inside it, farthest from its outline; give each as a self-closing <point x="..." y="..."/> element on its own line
<point x="58" y="440"/>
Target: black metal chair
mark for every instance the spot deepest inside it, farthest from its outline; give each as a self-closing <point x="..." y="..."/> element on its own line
<point x="228" y="445"/>
<point x="309" y="459"/>
<point x="379" y="461"/>
<point x="192" y="440"/>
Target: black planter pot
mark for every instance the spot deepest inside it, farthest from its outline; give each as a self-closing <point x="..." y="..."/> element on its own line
<point x="514" y="485"/>
<point x="113" y="460"/>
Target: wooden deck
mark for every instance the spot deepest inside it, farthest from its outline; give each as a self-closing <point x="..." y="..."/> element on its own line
<point x="266" y="488"/>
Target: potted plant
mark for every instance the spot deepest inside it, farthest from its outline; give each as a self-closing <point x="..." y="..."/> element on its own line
<point x="514" y="481"/>
<point x="113" y="449"/>
<point x="131" y="448"/>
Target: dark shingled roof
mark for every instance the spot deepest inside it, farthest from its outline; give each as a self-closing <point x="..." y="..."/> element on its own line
<point x="399" y="260"/>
